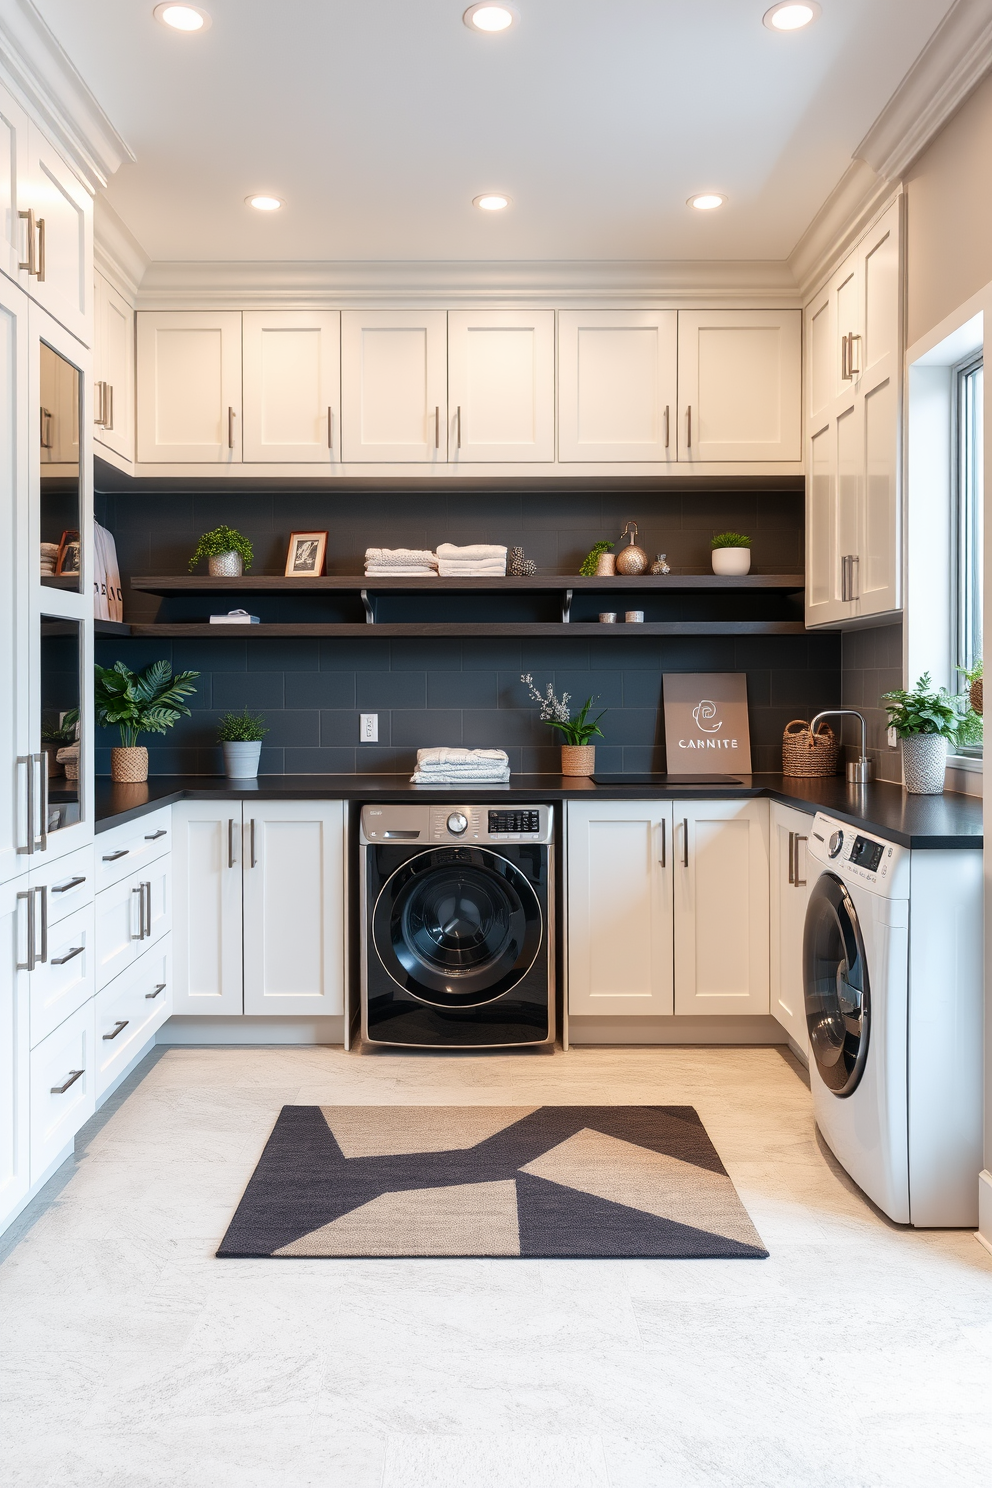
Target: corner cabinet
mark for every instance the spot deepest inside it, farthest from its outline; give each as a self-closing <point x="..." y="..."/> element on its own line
<point x="789" y="893"/>
<point x="854" y="340"/>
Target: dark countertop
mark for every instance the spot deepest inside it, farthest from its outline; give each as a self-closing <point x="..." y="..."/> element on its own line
<point x="911" y="821"/>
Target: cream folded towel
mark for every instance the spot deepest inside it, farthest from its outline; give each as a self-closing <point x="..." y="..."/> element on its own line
<point x="474" y="553"/>
<point x="401" y="557"/>
<point x="451" y="754"/>
<point x="397" y="571"/>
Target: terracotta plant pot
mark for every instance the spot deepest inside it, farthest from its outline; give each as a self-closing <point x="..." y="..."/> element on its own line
<point x="578" y="759"/>
<point x="129" y="766"/>
<point x="924" y="762"/>
<point x="729" y="561"/>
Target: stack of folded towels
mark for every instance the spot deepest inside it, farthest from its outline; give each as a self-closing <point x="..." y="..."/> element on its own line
<point x="397" y="563"/>
<point x="461" y="767"/>
<point x="479" y="560"/>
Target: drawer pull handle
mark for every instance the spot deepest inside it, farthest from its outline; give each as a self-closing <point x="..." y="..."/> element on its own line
<point x="160" y="988"/>
<point x="72" y="884"/>
<point x="74" y="1075"/>
<point x="139" y="889"/>
<point x="118" y="1028"/>
<point x="121" y="852"/>
<point x="162" y="832"/>
<point x="61" y="960"/>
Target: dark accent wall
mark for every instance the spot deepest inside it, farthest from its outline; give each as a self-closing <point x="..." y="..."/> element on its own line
<point x="872" y="664"/>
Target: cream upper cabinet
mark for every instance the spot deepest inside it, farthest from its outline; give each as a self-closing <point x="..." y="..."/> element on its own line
<point x="854" y="399"/>
<point x="55" y="213"/>
<point x="113" y="370"/>
<point x="721" y="907"/>
<point x="394" y="398"/>
<point x="13" y="155"/>
<point x="292" y="376"/>
<point x="788" y="896"/>
<point x="740" y="385"/>
<point x="189" y="386"/>
<point x="619" y="875"/>
<point x="501" y="385"/>
<point x="617" y="386"/>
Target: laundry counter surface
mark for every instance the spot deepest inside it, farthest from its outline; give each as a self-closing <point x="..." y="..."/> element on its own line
<point x="920" y="822"/>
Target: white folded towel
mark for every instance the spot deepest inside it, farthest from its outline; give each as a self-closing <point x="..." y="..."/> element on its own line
<point x="471" y="570"/>
<point x="453" y="754"/>
<point x="420" y="778"/>
<point x="397" y="571"/>
<point x="474" y="553"/>
<point x="401" y="557"/>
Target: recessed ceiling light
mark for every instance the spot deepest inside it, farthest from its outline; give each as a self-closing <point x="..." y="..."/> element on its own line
<point x="706" y="201"/>
<point x="791" y="15"/>
<point x="264" y="203"/>
<point x="182" y="17"/>
<point x="491" y="201"/>
<point x="489" y="17"/>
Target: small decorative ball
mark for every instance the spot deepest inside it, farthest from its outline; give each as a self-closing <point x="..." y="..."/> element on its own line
<point x="659" y="566"/>
<point x="631" y="561"/>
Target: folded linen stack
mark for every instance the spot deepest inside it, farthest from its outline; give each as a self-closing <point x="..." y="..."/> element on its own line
<point x="399" y="563"/>
<point x="479" y="560"/>
<point x="461" y="767"/>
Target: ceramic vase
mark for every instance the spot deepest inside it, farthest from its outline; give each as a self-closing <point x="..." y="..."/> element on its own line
<point x="578" y="759"/>
<point x="606" y="565"/>
<point x="225" y="566"/>
<point x="731" y="561"/>
<point x="128" y="766"/>
<point x="924" y="761"/>
<point x="241" y="759"/>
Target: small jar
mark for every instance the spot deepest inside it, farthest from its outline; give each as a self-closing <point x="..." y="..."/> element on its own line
<point x="607" y="617"/>
<point x="634" y="617"/>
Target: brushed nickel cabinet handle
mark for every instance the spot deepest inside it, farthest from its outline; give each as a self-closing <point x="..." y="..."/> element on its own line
<point x="42" y="763"/>
<point x="230" y="842"/>
<point x="251" y="834"/>
<point x="119" y="1027"/>
<point x="800" y="883"/>
<point x="61" y="960"/>
<point x="27" y="760"/>
<point x="73" y="883"/>
<point x="45" y="437"/>
<point x="688" y="427"/>
<point x="330" y="428"/>
<point x="139" y="890"/>
<point x="458" y="416"/>
<point x="40" y="271"/>
<point x="668" y="426"/>
<point x="855" y="565"/>
<point x="685" y="842"/>
<point x="792" y="859"/>
<point x="99" y="393"/>
<point x="42" y="889"/>
<point x="663" y="855"/>
<point x="108" y="410"/>
<point x="852" y="370"/>
<point x="74" y="1075"/>
<point x="844" y="373"/>
<point x="31" y="262"/>
<point x="148" y="914"/>
<point x="154" y="836"/>
<point x="437" y="427"/>
<point x="230" y="428"/>
<point x="29" y="964"/>
<point x="160" y="988"/>
<point x="121" y="852"/>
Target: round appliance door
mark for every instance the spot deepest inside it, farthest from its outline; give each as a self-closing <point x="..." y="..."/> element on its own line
<point x="457" y="927"/>
<point x="835" y="978"/>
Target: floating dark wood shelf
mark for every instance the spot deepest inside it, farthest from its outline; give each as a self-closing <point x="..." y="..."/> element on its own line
<point x="414" y="628"/>
<point x="548" y="583"/>
<point x="111" y="628"/>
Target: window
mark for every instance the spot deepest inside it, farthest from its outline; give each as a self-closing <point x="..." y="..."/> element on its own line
<point x="967" y="618"/>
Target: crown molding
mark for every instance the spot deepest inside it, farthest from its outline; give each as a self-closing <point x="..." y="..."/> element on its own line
<point x="117" y="254"/>
<point x="954" y="61"/>
<point x="45" y="81"/>
<point x="860" y="196"/>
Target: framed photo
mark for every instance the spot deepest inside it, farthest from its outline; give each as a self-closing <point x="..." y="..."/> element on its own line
<point x="68" y="560"/>
<point x="305" y="559"/>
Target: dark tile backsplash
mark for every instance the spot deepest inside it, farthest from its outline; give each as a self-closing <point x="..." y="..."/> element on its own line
<point x="872" y="665"/>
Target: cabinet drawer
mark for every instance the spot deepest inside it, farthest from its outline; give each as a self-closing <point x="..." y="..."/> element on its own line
<point x="69" y="882"/>
<point x="63" y="982"/>
<point x="125" y="850"/>
<point x="129" y="1010"/>
<point x="63" y="1091"/>
<point x="131" y="915"/>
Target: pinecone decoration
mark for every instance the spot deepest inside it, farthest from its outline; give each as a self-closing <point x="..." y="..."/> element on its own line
<point x="975" y="694"/>
<point x="528" y="568"/>
<point x="519" y="567"/>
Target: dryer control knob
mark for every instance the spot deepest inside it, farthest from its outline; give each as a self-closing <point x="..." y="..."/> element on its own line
<point x="457" y="823"/>
<point x="835" y="844"/>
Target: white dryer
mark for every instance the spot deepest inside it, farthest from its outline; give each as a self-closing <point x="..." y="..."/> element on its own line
<point x="892" y="969"/>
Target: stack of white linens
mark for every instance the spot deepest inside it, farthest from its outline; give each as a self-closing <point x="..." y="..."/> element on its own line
<point x="479" y="560"/>
<point x="461" y="767"/>
<point x="398" y="563"/>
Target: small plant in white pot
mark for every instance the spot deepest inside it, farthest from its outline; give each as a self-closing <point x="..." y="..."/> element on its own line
<point x="925" y="722"/>
<point x="147" y="702"/>
<point x="241" y="735"/>
<point x="731" y="553"/>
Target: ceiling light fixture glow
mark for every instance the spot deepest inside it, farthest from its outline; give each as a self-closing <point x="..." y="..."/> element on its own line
<point x="263" y="203"/>
<point x="791" y="15"/>
<point x="491" y="201"/>
<point x="182" y="17"/>
<point x="706" y="201"/>
<point x="489" y="17"/>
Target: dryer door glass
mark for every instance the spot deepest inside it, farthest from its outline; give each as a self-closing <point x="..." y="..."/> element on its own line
<point x="457" y="927"/>
<point x="835" y="977"/>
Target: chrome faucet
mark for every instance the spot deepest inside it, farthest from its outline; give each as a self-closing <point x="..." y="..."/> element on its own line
<point x="859" y="770"/>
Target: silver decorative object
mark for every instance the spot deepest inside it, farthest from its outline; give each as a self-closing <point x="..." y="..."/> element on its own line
<point x="607" y="617"/>
<point x="225" y="566"/>
<point x="924" y="761"/>
<point x="519" y="567"/>
<point x="634" y="617"/>
<point x="659" y="566"/>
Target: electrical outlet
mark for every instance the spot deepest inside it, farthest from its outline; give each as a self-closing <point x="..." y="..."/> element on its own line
<point x="893" y="738"/>
<point x="368" y="731"/>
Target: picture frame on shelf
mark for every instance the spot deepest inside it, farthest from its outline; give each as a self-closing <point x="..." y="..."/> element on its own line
<point x="68" y="560"/>
<point x="305" y="559"/>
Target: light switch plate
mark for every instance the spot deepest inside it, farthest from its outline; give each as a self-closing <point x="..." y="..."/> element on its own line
<point x="893" y="738"/>
<point x="368" y="731"/>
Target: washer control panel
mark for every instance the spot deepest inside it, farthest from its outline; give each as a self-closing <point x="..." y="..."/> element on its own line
<point x="408" y="824"/>
<point x="860" y="857"/>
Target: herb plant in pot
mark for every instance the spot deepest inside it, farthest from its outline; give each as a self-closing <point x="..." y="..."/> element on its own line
<point x="578" y="756"/>
<point x="924" y="720"/>
<point x="731" y="553"/>
<point x="147" y="702"/>
<point x="241" y="735"/>
<point x="227" y="551"/>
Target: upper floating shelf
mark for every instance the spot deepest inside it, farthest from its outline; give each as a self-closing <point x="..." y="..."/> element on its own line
<point x="548" y="583"/>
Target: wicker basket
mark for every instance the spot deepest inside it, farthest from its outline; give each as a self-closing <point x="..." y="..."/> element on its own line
<point x="129" y="766"/>
<point x="807" y="754"/>
<point x="976" y="695"/>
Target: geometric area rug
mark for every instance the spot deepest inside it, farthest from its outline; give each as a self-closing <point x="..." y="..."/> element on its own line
<point x="547" y="1181"/>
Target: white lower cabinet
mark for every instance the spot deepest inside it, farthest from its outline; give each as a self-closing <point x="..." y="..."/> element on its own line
<point x="14" y="1053"/>
<point x="63" y="1087"/>
<point x="129" y="1010"/>
<point x="721" y="907"/>
<point x="131" y="915"/>
<point x="789" y="892"/>
<point x="64" y="980"/>
<point x="206" y="859"/>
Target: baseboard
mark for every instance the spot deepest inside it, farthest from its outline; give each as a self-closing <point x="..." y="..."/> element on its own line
<point x="756" y="1029"/>
<point x="38" y="1185"/>
<point x="127" y="1070"/>
<point x="984" y="1233"/>
<point x="191" y="1029"/>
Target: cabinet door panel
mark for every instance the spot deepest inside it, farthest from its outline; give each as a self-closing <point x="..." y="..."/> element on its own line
<point x="113" y="332"/>
<point x="64" y="244"/>
<point x="206" y="870"/>
<point x="16" y="576"/>
<point x="501" y="385"/>
<point x="878" y="589"/>
<point x="14" y="1053"/>
<point x="740" y="379"/>
<point x="620" y="909"/>
<point x="189" y="386"/>
<point x="721" y="907"/>
<point x="63" y="1088"/>
<point x="822" y="338"/>
<point x="617" y="388"/>
<point x="66" y="979"/>
<point x="292" y="386"/>
<point x="13" y="157"/>
<point x="128" y="1011"/>
<point x="788" y="880"/>
<point x="394" y="404"/>
<point x="823" y="585"/>
<point x="118" y="928"/>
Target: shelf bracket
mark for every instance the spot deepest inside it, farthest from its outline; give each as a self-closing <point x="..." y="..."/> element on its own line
<point x="566" y="607"/>
<point x="369" y="611"/>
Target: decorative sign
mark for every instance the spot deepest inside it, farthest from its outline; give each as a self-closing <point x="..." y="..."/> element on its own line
<point x="706" y="724"/>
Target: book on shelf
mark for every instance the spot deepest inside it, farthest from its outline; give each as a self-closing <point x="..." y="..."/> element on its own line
<point x="235" y="617"/>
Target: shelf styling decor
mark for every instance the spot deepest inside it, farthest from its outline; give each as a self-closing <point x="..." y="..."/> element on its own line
<point x="631" y="560"/>
<point x="578" y="756"/>
<point x="227" y="551"/>
<point x="305" y="558"/>
<point x="925" y="722"/>
<point x="807" y="754"/>
<point x="146" y="702"/>
<point x="241" y="734"/>
<point x="592" y="560"/>
<point x="973" y="677"/>
<point x="731" y="553"/>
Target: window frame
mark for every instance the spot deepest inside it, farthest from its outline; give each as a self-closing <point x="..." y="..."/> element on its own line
<point x="967" y="514"/>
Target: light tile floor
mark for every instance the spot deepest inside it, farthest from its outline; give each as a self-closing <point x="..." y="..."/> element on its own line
<point x="858" y="1356"/>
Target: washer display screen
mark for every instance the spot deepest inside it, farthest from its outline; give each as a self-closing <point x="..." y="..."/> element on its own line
<point x="866" y="854"/>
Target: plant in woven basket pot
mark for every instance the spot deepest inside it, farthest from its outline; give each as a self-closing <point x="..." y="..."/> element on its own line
<point x="578" y="756"/>
<point x="146" y="702"/>
<point x="241" y="734"/>
<point x="925" y="721"/>
<point x="228" y="553"/>
<point x="731" y="553"/>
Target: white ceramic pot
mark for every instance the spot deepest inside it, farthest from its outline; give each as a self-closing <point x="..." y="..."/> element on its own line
<point x="731" y="560"/>
<point x="225" y="566"/>
<point x="241" y="759"/>
<point x="924" y="761"/>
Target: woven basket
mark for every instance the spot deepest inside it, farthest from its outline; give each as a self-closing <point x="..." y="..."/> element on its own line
<point x="976" y="695"/>
<point x="807" y="754"/>
<point x="129" y="766"/>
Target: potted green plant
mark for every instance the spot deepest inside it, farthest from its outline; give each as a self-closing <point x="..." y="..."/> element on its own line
<point x="146" y="702"/>
<point x="227" y="551"/>
<point x="924" y="720"/>
<point x="598" y="560"/>
<point x="56" y="736"/>
<point x="731" y="553"/>
<point x="578" y="756"/>
<point x="241" y="735"/>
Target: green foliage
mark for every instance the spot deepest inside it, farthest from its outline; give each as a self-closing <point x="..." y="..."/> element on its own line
<point x="730" y="540"/>
<point x="581" y="728"/>
<point x="222" y="540"/>
<point x="970" y="730"/>
<point x="242" y="728"/>
<point x="147" y="702"/>
<point x="589" y="563"/>
<point x="923" y="711"/>
<point x="61" y="733"/>
<point x="971" y="674"/>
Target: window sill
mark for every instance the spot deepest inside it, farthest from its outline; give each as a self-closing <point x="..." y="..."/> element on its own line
<point x="968" y="762"/>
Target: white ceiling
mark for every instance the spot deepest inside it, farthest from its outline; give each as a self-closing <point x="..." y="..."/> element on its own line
<point x="379" y="120"/>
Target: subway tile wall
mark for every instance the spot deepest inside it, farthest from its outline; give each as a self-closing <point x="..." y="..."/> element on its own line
<point x="872" y="665"/>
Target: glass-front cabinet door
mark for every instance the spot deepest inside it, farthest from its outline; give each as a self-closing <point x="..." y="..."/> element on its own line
<point x="60" y="550"/>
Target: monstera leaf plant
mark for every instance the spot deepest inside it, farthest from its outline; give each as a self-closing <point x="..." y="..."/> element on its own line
<point x="146" y="702"/>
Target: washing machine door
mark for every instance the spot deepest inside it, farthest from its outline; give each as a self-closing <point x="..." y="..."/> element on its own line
<point x="457" y="926"/>
<point x="835" y="977"/>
